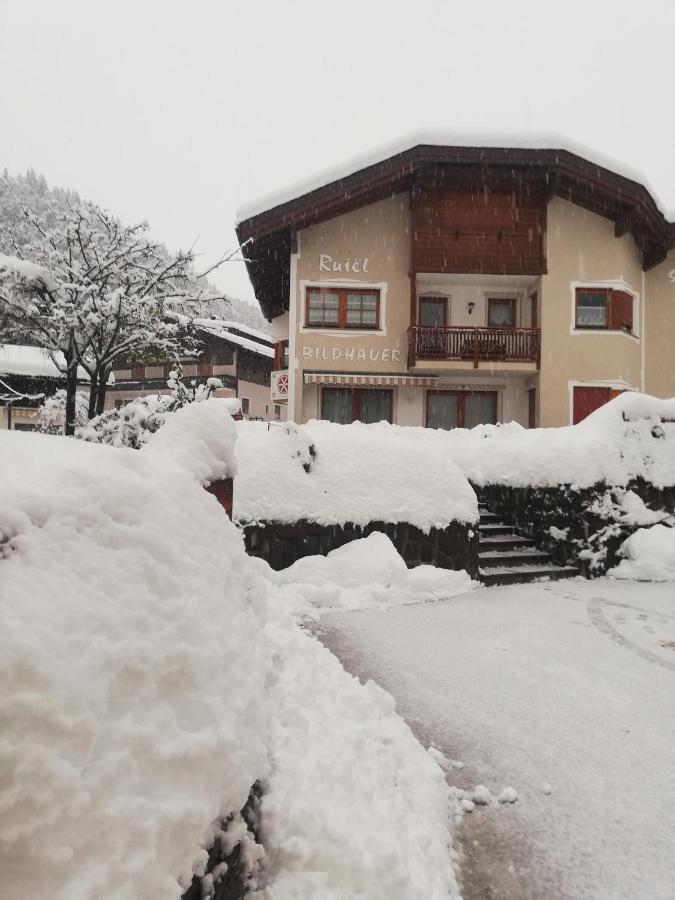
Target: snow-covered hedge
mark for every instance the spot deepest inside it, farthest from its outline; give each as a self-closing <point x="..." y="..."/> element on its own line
<point x="332" y="474"/>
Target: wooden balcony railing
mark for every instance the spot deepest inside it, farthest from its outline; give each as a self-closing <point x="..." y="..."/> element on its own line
<point x="426" y="342"/>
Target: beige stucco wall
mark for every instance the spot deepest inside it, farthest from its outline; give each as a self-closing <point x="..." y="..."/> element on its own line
<point x="581" y="247"/>
<point x="660" y="329"/>
<point x="380" y="234"/>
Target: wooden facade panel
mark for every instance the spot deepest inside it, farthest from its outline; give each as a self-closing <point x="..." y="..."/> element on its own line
<point x="478" y="232"/>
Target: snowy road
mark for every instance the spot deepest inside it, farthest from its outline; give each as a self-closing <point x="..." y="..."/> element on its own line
<point x="566" y="684"/>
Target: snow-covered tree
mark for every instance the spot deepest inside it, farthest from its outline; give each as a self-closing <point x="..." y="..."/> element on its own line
<point x="53" y="412"/>
<point x="82" y="284"/>
<point x="134" y="424"/>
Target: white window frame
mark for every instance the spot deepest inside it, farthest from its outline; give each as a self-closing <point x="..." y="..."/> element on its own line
<point x="610" y="286"/>
<point x="342" y="283"/>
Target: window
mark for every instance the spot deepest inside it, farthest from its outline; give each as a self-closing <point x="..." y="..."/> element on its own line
<point x="433" y="311"/>
<point x="277" y="411"/>
<point x="461" y="409"/>
<point x="345" y="405"/>
<point x="343" y="308"/>
<point x="501" y="312"/>
<point x="603" y="308"/>
<point x="245" y="405"/>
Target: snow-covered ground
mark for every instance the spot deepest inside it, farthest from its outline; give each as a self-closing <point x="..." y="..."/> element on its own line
<point x="563" y="690"/>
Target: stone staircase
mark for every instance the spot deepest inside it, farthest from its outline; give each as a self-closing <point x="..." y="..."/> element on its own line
<point x="506" y="557"/>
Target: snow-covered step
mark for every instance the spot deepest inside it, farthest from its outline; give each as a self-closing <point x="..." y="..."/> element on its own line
<point x="487" y="516"/>
<point x="499" y="557"/>
<point x="523" y="573"/>
<point x="503" y="542"/>
<point x="490" y="528"/>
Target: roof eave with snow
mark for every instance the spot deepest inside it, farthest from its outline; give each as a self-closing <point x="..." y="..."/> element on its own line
<point x="557" y="165"/>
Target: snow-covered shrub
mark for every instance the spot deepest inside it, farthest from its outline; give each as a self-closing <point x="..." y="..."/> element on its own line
<point x="53" y="412"/>
<point x="648" y="555"/>
<point x="133" y="424"/>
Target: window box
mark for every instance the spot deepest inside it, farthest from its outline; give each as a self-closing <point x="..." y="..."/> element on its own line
<point x="603" y="309"/>
<point x="342" y="308"/>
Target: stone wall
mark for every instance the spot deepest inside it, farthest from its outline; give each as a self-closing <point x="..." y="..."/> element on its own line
<point x="577" y="526"/>
<point x="280" y="544"/>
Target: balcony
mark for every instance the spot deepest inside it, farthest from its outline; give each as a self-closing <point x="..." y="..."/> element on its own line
<point x="473" y="345"/>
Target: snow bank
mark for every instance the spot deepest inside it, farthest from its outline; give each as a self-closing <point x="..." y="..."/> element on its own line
<point x="364" y="574"/>
<point x="631" y="436"/>
<point x="331" y="474"/>
<point x="147" y="684"/>
<point x="649" y="555"/>
<point x="199" y="438"/>
<point x="355" y="806"/>
<point x="131" y="666"/>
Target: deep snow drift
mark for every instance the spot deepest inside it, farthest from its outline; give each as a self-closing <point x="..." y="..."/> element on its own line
<point x="148" y="683"/>
<point x="364" y="574"/>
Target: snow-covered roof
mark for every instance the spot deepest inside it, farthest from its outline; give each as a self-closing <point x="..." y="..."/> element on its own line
<point x="18" y="359"/>
<point x="222" y="330"/>
<point x="231" y="325"/>
<point x="512" y="140"/>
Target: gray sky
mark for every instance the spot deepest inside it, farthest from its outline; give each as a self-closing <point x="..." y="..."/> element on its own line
<point x="179" y="112"/>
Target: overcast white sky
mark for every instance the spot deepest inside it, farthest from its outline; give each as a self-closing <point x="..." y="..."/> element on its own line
<point x="179" y="112"/>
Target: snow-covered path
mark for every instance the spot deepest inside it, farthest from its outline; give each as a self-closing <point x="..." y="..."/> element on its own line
<point x="566" y="684"/>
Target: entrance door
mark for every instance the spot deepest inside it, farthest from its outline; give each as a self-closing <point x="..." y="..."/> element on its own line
<point x="433" y="314"/>
<point x="532" y="408"/>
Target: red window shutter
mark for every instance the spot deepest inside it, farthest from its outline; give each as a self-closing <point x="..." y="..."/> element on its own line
<point x="586" y="400"/>
<point x="621" y="311"/>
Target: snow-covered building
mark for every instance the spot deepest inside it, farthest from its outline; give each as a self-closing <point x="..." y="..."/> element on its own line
<point x="239" y="356"/>
<point x="28" y="375"/>
<point x="452" y="283"/>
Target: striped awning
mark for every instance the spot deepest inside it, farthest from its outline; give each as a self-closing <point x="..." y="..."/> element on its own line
<point x="365" y="379"/>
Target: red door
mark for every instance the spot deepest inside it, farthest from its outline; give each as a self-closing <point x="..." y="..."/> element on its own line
<point x="587" y="400"/>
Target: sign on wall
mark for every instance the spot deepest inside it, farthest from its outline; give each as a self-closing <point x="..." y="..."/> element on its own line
<point x="327" y="264"/>
<point x="279" y="385"/>
<point x="351" y="354"/>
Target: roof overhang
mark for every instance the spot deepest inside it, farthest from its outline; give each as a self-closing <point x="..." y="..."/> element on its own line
<point x="271" y="233"/>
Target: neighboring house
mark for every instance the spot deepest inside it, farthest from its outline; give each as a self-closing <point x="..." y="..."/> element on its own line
<point x="456" y="285"/>
<point x="28" y="375"/>
<point x="239" y="356"/>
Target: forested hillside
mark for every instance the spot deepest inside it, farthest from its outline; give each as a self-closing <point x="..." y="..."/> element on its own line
<point x="33" y="189"/>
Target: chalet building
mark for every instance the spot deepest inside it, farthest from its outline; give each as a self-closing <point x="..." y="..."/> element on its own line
<point x="455" y="285"/>
<point x="239" y="356"/>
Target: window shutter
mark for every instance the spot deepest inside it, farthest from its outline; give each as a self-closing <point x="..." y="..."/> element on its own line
<point x="621" y="311"/>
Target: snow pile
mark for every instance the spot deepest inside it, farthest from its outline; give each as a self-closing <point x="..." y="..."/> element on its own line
<point x="147" y="684"/>
<point x="631" y="436"/>
<point x="364" y="574"/>
<point x="649" y="555"/>
<point x="131" y="663"/>
<point x="199" y="437"/>
<point x="355" y="806"/>
<point x="332" y="474"/>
